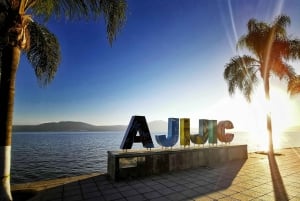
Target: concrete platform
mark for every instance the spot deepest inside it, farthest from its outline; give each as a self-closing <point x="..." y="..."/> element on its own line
<point x="258" y="178"/>
<point x="123" y="165"/>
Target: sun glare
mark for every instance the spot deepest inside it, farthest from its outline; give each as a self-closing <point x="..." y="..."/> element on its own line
<point x="252" y="117"/>
<point x="280" y="107"/>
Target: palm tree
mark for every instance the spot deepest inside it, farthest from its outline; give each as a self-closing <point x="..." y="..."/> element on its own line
<point x="271" y="48"/>
<point x="20" y="33"/>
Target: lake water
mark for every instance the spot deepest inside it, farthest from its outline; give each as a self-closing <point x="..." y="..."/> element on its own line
<point x="49" y="155"/>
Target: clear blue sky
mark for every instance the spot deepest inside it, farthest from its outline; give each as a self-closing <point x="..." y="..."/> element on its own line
<point x="167" y="61"/>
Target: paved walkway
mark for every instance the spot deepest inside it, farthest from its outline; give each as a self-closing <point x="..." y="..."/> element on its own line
<point x="257" y="178"/>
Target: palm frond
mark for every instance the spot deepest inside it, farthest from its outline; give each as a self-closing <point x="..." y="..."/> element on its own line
<point x="255" y="39"/>
<point x="280" y="49"/>
<point x="280" y="24"/>
<point x="252" y="25"/>
<point x="265" y="39"/>
<point x="282" y="70"/>
<point x="114" y="15"/>
<point x="294" y="86"/>
<point x="293" y="50"/>
<point x="65" y="8"/>
<point x="44" y="52"/>
<point x="240" y="73"/>
<point x="25" y="4"/>
<point x="113" y="11"/>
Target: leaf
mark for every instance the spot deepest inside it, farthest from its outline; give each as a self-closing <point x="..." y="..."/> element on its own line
<point x="240" y="73"/>
<point x="113" y="12"/>
<point x="44" y="52"/>
<point x="294" y="86"/>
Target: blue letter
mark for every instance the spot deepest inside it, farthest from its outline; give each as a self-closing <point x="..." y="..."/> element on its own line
<point x="173" y="133"/>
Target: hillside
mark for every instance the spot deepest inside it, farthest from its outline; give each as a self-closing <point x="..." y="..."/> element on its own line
<point x="66" y="126"/>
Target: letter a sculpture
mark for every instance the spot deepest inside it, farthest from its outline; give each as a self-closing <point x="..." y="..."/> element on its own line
<point x="137" y="124"/>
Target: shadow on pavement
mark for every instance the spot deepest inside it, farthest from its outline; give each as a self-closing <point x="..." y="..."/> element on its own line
<point x="278" y="185"/>
<point x="180" y="185"/>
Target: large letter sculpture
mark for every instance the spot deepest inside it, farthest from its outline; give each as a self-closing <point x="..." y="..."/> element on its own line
<point x="202" y="136"/>
<point x="137" y="124"/>
<point x="184" y="131"/>
<point x="212" y="132"/>
<point x="173" y="133"/>
<point x="222" y="136"/>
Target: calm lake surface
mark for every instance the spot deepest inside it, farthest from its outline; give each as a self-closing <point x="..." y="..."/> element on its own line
<point x="49" y="155"/>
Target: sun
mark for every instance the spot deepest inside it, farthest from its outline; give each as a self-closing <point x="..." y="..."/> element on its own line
<point x="281" y="109"/>
<point x="252" y="117"/>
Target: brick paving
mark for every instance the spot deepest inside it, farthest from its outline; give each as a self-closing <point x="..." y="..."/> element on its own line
<point x="257" y="178"/>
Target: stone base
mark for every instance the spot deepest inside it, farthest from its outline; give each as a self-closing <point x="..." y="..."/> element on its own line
<point x="139" y="163"/>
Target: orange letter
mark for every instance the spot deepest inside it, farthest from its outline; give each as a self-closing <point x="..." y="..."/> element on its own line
<point x="222" y="136"/>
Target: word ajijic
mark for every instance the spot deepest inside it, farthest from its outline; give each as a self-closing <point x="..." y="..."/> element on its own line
<point x="209" y="130"/>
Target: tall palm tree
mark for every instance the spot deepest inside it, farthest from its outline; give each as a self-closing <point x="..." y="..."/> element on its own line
<point x="271" y="49"/>
<point x="20" y="33"/>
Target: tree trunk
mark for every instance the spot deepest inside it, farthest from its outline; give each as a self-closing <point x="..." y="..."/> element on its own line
<point x="269" y="119"/>
<point x="9" y="65"/>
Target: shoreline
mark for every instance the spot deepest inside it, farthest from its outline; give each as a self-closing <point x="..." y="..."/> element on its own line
<point x="60" y="160"/>
<point x="255" y="178"/>
<point x="41" y="185"/>
<point x="49" y="183"/>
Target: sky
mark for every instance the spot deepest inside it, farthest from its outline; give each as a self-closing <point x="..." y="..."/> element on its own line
<point x="167" y="61"/>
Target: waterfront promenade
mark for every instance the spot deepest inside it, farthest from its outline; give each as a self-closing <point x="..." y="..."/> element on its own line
<point x="257" y="178"/>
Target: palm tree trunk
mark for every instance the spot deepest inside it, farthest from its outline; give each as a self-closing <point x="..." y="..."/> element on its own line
<point x="269" y="119"/>
<point x="9" y="65"/>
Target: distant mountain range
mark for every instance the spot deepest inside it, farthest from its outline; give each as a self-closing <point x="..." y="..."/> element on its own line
<point x="73" y="126"/>
<point x="65" y="126"/>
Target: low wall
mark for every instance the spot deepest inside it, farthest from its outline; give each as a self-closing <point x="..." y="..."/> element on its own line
<point x="139" y="163"/>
